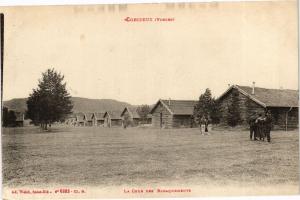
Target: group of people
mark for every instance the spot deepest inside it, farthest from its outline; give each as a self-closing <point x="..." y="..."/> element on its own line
<point x="260" y="126"/>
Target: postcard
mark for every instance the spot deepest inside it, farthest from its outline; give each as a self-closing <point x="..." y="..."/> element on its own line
<point x="150" y="100"/>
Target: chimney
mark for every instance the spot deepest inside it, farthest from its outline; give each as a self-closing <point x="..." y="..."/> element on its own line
<point x="169" y="101"/>
<point x="253" y="87"/>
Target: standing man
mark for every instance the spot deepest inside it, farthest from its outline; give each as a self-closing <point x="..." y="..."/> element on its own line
<point x="253" y="127"/>
<point x="201" y="123"/>
<point x="260" y="127"/>
<point x="268" y="125"/>
<point x="205" y="124"/>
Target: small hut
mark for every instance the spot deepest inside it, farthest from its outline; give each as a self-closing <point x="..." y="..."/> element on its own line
<point x="19" y="119"/>
<point x="173" y="113"/>
<point x="98" y="119"/>
<point x="79" y="119"/>
<point x="112" y="119"/>
<point x="130" y="117"/>
<point x="88" y="119"/>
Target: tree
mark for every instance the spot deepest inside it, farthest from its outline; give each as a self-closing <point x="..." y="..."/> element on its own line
<point x="143" y="112"/>
<point x="50" y="101"/>
<point x="208" y="107"/>
<point x="234" y="115"/>
<point x="202" y="108"/>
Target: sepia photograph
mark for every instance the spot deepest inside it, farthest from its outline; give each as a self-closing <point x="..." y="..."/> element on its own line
<point x="150" y="100"/>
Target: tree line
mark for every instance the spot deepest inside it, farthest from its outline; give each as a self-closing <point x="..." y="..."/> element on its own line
<point x="51" y="102"/>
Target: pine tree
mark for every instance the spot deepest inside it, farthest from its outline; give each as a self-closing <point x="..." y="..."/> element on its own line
<point x="234" y="115"/>
<point x="203" y="107"/>
<point x="50" y="102"/>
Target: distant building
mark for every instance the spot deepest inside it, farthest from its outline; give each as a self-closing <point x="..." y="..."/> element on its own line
<point x="173" y="113"/>
<point x="87" y="118"/>
<point x="130" y="117"/>
<point x="112" y="119"/>
<point x="282" y="103"/>
<point x="98" y="119"/>
<point x="19" y="119"/>
<point x="79" y="119"/>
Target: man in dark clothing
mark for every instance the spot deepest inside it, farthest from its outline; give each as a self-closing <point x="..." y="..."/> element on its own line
<point x="206" y="124"/>
<point x="260" y="127"/>
<point x="253" y="127"/>
<point x="268" y="126"/>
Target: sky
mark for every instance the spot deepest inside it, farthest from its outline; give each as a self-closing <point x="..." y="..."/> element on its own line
<point x="208" y="45"/>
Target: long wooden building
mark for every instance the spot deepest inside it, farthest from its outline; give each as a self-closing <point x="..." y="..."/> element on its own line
<point x="282" y="103"/>
<point x="173" y="113"/>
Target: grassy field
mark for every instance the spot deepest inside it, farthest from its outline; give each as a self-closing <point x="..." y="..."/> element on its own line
<point x="112" y="157"/>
